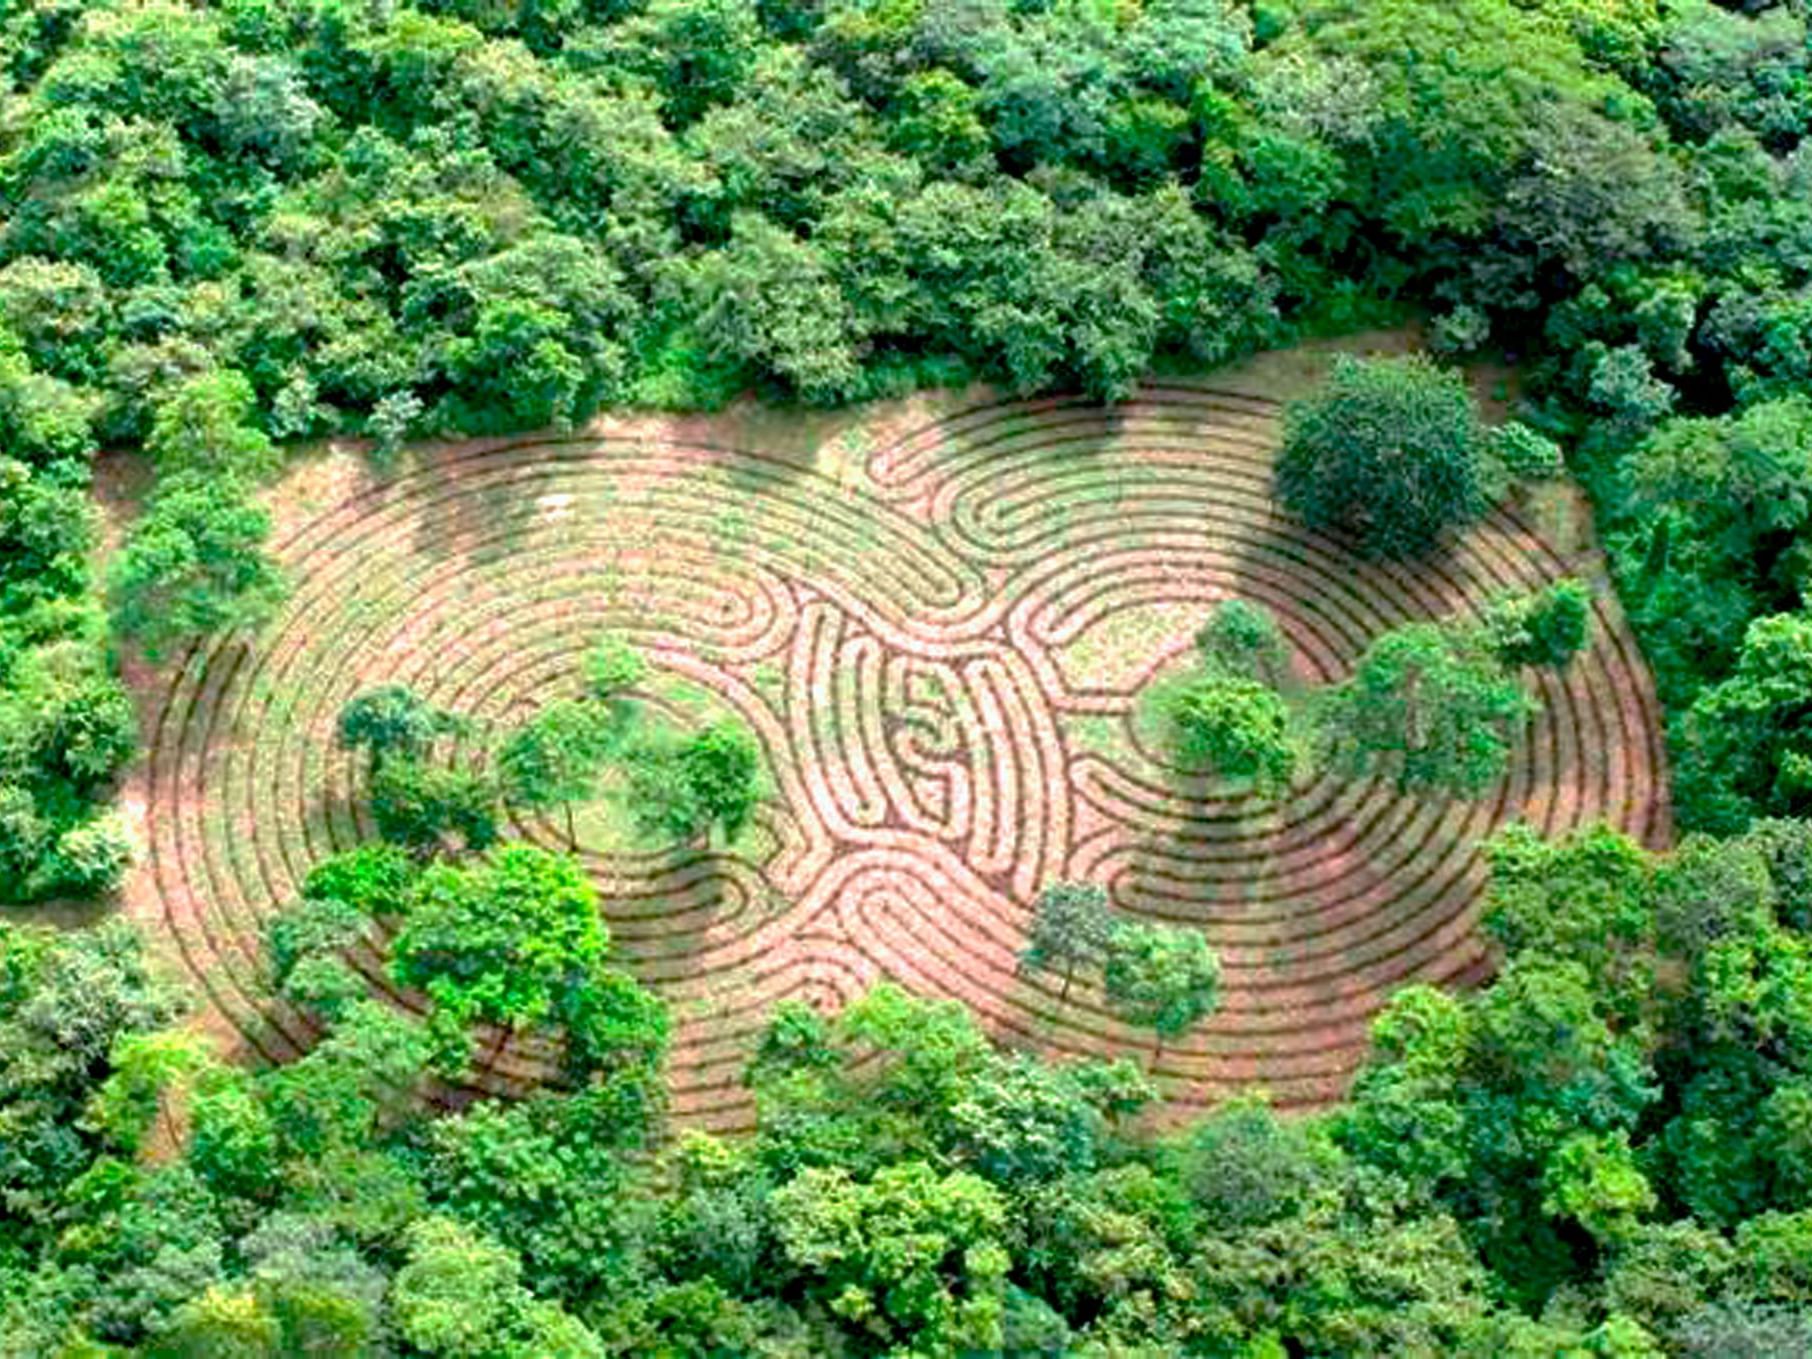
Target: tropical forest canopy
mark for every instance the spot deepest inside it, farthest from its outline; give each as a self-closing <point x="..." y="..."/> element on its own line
<point x="229" y="227"/>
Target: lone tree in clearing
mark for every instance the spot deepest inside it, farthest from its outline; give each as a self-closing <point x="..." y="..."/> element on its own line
<point x="1071" y="926"/>
<point x="1242" y="638"/>
<point x="1390" y="455"/>
<point x="612" y="669"/>
<point x="1161" y="977"/>
<point x="1433" y="700"/>
<point x="555" y="758"/>
<point x="392" y="720"/>
<point x="683" y="789"/>
<point x="1235" y="729"/>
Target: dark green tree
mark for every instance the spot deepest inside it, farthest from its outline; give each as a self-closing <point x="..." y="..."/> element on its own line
<point x="556" y="758"/>
<point x="517" y="940"/>
<point x="1389" y="455"/>
<point x="427" y="807"/>
<point x="1242" y="639"/>
<point x="1744" y="748"/>
<point x="392" y="720"/>
<point x="684" y="788"/>
<point x="1072" y="923"/>
<point x="914" y="1257"/>
<point x="1429" y="704"/>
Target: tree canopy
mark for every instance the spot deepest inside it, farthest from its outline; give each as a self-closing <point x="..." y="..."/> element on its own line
<point x="1429" y="705"/>
<point x="1390" y="455"/>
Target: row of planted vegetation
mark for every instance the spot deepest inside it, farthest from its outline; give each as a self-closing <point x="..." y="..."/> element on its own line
<point x="265" y="220"/>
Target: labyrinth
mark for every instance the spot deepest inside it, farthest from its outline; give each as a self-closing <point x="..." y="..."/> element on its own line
<point x="940" y="635"/>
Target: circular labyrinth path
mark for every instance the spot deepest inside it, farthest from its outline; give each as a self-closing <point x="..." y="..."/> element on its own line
<point x="940" y="643"/>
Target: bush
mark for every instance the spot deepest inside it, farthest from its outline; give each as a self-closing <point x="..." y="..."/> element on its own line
<point x="1235" y="728"/>
<point x="1526" y="454"/>
<point x="1544" y="627"/>
<point x="1389" y="455"/>
<point x="1242" y="639"/>
<point x="92" y="858"/>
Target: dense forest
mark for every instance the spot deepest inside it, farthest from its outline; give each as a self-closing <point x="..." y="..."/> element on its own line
<point x="231" y="227"/>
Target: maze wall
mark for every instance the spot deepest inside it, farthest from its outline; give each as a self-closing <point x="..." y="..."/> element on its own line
<point x="940" y="642"/>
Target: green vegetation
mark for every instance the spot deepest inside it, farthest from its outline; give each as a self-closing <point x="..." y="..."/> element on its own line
<point x="1546" y="627"/>
<point x="1162" y="978"/>
<point x="1602" y="1151"/>
<point x="683" y="788"/>
<point x="1390" y="456"/>
<point x="1429" y="704"/>
<point x="1072" y="925"/>
<point x="1234" y="729"/>
<point x="228" y="227"/>
<point x="66" y="724"/>
<point x="391" y="720"/>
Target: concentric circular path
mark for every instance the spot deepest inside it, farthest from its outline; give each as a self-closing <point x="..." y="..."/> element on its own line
<point x="940" y="648"/>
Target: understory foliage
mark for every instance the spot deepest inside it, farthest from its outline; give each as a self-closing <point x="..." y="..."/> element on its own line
<point x="1602" y="1152"/>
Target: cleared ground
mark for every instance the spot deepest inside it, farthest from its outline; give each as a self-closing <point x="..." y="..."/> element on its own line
<point x="938" y="620"/>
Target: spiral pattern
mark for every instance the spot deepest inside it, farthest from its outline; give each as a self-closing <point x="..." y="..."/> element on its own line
<point x="940" y="651"/>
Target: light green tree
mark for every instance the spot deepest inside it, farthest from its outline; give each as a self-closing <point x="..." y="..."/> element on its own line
<point x="1162" y="977"/>
<point x="555" y="759"/>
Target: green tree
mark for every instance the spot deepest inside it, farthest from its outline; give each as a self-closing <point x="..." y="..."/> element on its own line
<point x="612" y="668"/>
<point x="1072" y="923"/>
<point x="1595" y="1180"/>
<point x="1161" y="977"/>
<point x="517" y="940"/>
<point x="1526" y="454"/>
<point x="556" y="758"/>
<point x="912" y="1258"/>
<point x="426" y="807"/>
<point x="224" y="1324"/>
<point x="1024" y="1121"/>
<point x="1743" y="748"/>
<point x="769" y="300"/>
<point x="194" y="564"/>
<point x="46" y="532"/>
<point x="68" y="1001"/>
<point x="1429" y="703"/>
<point x="392" y="719"/>
<point x="1542" y="627"/>
<point x="1242" y="639"/>
<point x="684" y="788"/>
<point x="1235" y="729"/>
<point x="1389" y="455"/>
<point x="202" y="426"/>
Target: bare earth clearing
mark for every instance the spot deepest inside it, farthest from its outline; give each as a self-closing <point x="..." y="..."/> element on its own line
<point x="938" y="621"/>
